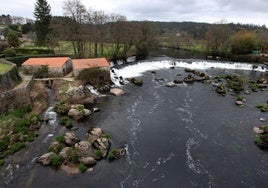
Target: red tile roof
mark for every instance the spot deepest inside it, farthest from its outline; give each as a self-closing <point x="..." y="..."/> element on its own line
<point x="90" y="63"/>
<point x="52" y="62"/>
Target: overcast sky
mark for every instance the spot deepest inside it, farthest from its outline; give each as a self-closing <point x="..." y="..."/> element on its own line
<point x="211" y="11"/>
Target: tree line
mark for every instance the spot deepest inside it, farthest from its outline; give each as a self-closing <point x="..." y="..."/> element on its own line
<point x="93" y="33"/>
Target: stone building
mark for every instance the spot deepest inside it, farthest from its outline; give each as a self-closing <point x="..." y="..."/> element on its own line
<point x="80" y="64"/>
<point x="57" y="66"/>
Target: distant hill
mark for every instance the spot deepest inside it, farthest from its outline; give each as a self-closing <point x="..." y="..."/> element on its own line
<point x="198" y="30"/>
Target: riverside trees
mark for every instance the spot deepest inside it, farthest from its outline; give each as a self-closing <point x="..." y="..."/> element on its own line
<point x="95" y="33"/>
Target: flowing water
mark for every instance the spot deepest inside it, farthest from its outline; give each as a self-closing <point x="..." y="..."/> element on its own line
<point x="186" y="136"/>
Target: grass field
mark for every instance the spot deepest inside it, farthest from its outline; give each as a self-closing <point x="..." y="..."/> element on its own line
<point x="3" y="67"/>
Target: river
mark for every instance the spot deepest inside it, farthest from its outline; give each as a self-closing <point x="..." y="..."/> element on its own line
<point x="186" y="136"/>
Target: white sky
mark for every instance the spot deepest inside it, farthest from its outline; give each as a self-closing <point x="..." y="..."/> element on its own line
<point x="211" y="11"/>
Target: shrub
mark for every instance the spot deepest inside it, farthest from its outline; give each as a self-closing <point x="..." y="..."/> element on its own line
<point x="82" y="168"/>
<point x="95" y="76"/>
<point x="56" y="161"/>
<point x="9" y="52"/>
<point x="66" y="121"/>
<point x="112" y="155"/>
<point x="62" y="108"/>
<point x="60" y="139"/>
<point x="98" y="153"/>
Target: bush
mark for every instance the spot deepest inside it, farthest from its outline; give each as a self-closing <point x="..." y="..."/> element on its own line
<point x="82" y="168"/>
<point x="62" y="108"/>
<point x="112" y="155"/>
<point x="66" y="121"/>
<point x="95" y="76"/>
<point x="60" y="139"/>
<point x="98" y="153"/>
<point x="9" y="52"/>
<point x="56" y="161"/>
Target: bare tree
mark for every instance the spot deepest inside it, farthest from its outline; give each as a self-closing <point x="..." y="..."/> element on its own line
<point x="218" y="37"/>
<point x="76" y="11"/>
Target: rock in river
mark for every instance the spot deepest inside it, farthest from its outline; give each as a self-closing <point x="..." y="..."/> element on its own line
<point x="116" y="91"/>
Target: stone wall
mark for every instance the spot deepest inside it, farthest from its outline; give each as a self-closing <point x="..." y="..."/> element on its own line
<point x="10" y="78"/>
<point x="16" y="98"/>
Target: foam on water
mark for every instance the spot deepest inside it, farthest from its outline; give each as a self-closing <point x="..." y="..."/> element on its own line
<point x="92" y="90"/>
<point x="138" y="69"/>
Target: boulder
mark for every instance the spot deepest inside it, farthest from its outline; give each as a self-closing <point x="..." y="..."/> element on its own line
<point x="102" y="144"/>
<point x="75" y="114"/>
<point x="116" y="153"/>
<point x="70" y="138"/>
<point x="178" y="81"/>
<point x="64" y="152"/>
<point x="221" y="89"/>
<point x="262" y="119"/>
<point x="160" y="79"/>
<point x="239" y="103"/>
<point x="80" y="95"/>
<point x="170" y="84"/>
<point x="46" y="158"/>
<point x="136" y="81"/>
<point x="56" y="147"/>
<point x="78" y="112"/>
<point x="88" y="161"/>
<point x="83" y="149"/>
<point x="96" y="110"/>
<point x="258" y="130"/>
<point x="94" y="134"/>
<point x="189" y="79"/>
<point x="116" y="91"/>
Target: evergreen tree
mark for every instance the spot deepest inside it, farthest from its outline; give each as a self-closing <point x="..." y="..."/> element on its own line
<point x="42" y="24"/>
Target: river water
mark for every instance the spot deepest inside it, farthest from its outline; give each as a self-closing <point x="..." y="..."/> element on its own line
<point x="186" y="136"/>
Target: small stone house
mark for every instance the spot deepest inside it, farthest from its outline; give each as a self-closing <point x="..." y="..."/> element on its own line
<point x="80" y="64"/>
<point x="57" y="66"/>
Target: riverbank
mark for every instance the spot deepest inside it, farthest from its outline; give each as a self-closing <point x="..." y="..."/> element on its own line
<point x="199" y="54"/>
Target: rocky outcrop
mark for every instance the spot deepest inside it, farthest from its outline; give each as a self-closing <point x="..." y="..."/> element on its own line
<point x="78" y="112"/>
<point x="46" y="158"/>
<point x="80" y="95"/>
<point x="71" y="152"/>
<point x="116" y="91"/>
<point x="70" y="138"/>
